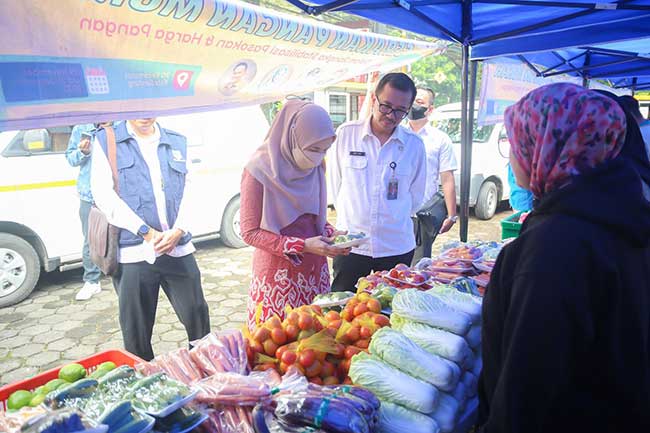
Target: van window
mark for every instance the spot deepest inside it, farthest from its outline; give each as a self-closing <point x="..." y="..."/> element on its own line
<point x="39" y="142"/>
<point x="452" y="128"/>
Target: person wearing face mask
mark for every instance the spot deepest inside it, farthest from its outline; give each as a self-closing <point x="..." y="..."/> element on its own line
<point x="283" y="212"/>
<point x="438" y="212"/>
<point x="377" y="177"/>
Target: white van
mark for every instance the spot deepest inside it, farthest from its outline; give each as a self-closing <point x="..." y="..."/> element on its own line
<point x="490" y="150"/>
<point x="39" y="205"/>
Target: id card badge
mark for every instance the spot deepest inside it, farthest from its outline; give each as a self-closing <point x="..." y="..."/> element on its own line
<point x="393" y="184"/>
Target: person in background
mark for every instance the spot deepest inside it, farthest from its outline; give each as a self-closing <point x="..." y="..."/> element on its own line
<point x="377" y="178"/>
<point x="438" y="213"/>
<point x="630" y="104"/>
<point x="155" y="248"/>
<point x="566" y="316"/>
<point x="78" y="155"/>
<point x="283" y="212"/>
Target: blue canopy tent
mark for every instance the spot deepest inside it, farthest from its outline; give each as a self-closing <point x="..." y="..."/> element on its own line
<point x="624" y="64"/>
<point x="493" y="28"/>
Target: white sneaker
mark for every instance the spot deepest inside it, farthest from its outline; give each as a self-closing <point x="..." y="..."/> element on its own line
<point x="87" y="291"/>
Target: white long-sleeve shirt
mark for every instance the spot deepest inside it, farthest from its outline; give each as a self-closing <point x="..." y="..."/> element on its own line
<point x="121" y="215"/>
<point x="358" y="173"/>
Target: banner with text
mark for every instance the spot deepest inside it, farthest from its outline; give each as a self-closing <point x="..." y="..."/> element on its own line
<point x="505" y="81"/>
<point x="79" y="61"/>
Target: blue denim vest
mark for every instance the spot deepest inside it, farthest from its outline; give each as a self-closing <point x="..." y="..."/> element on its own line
<point x="135" y="187"/>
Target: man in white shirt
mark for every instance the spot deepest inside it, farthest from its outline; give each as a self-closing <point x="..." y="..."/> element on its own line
<point x="154" y="245"/>
<point x="438" y="212"/>
<point x="377" y="173"/>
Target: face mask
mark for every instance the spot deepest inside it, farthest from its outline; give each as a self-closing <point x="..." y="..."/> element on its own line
<point x="306" y="160"/>
<point x="418" y="112"/>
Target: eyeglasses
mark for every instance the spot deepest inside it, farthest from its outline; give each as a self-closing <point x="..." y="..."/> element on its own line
<point x="388" y="110"/>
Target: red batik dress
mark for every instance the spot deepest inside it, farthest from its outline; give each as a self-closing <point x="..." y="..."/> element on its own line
<point x="282" y="274"/>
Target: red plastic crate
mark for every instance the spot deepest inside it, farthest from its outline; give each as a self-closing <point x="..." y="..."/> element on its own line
<point x="119" y="357"/>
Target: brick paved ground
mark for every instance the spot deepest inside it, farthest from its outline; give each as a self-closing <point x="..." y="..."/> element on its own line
<point x="50" y="328"/>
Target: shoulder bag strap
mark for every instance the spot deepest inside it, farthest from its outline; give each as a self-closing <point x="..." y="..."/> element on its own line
<point x="112" y="154"/>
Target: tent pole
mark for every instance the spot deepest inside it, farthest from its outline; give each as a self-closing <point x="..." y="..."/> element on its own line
<point x="466" y="147"/>
<point x="585" y="76"/>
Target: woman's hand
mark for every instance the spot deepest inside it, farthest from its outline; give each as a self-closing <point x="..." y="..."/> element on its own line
<point x="321" y="246"/>
<point x="339" y="233"/>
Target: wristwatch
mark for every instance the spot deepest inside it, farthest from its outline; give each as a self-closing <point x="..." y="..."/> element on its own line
<point x="453" y="218"/>
<point x="143" y="230"/>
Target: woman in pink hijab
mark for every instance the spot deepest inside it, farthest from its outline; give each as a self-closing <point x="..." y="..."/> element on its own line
<point x="283" y="212"/>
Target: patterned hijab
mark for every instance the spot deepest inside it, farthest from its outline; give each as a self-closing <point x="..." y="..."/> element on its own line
<point x="290" y="165"/>
<point x="561" y="130"/>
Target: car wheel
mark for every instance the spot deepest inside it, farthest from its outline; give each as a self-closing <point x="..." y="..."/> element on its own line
<point x="230" y="231"/>
<point x="488" y="199"/>
<point x="19" y="269"/>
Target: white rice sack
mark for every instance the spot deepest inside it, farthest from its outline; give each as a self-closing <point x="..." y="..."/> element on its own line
<point x="394" y="418"/>
<point x="471" y="383"/>
<point x="418" y="306"/>
<point x="463" y="302"/>
<point x="436" y="341"/>
<point x="447" y="413"/>
<point x="473" y="336"/>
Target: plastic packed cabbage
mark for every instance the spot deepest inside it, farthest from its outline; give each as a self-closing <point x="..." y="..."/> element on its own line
<point x="435" y="341"/>
<point x="460" y="395"/>
<point x="392" y="385"/>
<point x="447" y="413"/>
<point x="463" y="302"/>
<point x="422" y="307"/>
<point x="395" y="349"/>
<point x="394" y="418"/>
<point x="473" y="336"/>
<point x="471" y="383"/>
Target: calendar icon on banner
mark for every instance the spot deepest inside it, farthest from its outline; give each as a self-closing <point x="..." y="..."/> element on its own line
<point x="97" y="81"/>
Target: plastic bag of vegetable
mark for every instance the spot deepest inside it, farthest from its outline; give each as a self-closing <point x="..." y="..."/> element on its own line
<point x="473" y="336"/>
<point x="399" y="351"/>
<point x="463" y="302"/>
<point x="264" y="421"/>
<point x="471" y="383"/>
<point x="447" y="412"/>
<point x="422" y="307"/>
<point x="460" y="395"/>
<point x="435" y="341"/>
<point x="334" y="415"/>
<point x="390" y="384"/>
<point x="394" y="418"/>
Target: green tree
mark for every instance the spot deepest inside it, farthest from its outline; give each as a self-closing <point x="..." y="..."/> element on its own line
<point x="440" y="74"/>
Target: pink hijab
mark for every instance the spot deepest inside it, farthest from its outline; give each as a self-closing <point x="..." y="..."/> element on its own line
<point x="290" y="165"/>
<point x="561" y="130"/>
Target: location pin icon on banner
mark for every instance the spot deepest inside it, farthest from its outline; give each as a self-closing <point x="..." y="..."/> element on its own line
<point x="182" y="80"/>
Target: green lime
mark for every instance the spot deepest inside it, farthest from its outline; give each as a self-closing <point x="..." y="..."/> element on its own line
<point x="72" y="372"/>
<point x="37" y="399"/>
<point x="107" y="366"/>
<point x="54" y="384"/>
<point x="19" y="399"/>
<point x="40" y="390"/>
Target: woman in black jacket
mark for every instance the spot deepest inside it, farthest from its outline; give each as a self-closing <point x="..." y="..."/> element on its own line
<point x="566" y="332"/>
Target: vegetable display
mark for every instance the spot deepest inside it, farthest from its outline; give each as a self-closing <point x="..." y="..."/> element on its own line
<point x="394" y="418"/>
<point x="424" y="308"/>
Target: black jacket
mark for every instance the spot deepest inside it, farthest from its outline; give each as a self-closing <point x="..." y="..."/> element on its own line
<point x="566" y="331"/>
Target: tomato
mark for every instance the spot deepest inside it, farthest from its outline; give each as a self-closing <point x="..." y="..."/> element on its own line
<point x="284" y="367"/>
<point x="335" y="324"/>
<point x="394" y="273"/>
<point x="317" y="326"/>
<point x="317" y="309"/>
<point x="274" y="322"/>
<point x="350" y="351"/>
<point x="381" y="320"/>
<point x="332" y="316"/>
<point x="280" y="351"/>
<point x="363" y="343"/>
<point x="289" y="357"/>
<point x="261" y="334"/>
<point x="292" y="332"/>
<point x="270" y="347"/>
<point x="331" y="380"/>
<point x="365" y="332"/>
<point x="328" y="369"/>
<point x="347" y="381"/>
<point x="374" y="305"/>
<point x="307" y="358"/>
<point x="292" y="318"/>
<point x="278" y="336"/>
<point x="314" y="369"/>
<point x="353" y="334"/>
<point x="360" y="309"/>
<point x="256" y="346"/>
<point x="347" y="314"/>
<point x="340" y="350"/>
<point x="344" y="367"/>
<point x="264" y="367"/>
<point x="352" y="303"/>
<point x="305" y="322"/>
<point x="320" y="355"/>
<point x="316" y="381"/>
